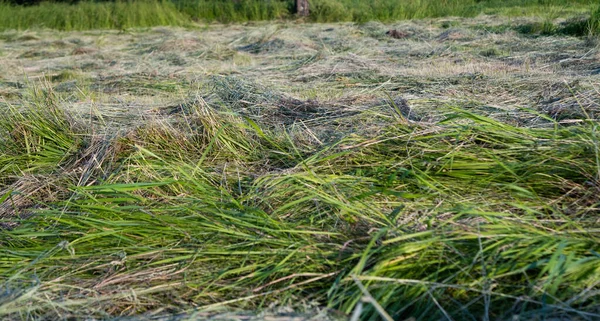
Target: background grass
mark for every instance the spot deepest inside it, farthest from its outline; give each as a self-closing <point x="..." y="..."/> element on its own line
<point x="91" y="15"/>
<point x="128" y="14"/>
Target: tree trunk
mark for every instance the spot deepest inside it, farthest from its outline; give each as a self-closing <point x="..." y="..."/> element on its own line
<point x="302" y="8"/>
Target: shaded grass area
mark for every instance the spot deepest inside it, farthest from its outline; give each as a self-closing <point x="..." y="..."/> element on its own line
<point x="130" y="14"/>
<point x="463" y="216"/>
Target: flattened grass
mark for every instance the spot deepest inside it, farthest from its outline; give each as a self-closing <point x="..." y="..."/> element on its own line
<point x="467" y="217"/>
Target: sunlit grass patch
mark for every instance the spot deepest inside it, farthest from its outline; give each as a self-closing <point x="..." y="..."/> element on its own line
<point x="461" y="217"/>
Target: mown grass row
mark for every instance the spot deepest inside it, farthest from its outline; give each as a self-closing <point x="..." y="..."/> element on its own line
<point x="468" y="217"/>
<point x="130" y="14"/>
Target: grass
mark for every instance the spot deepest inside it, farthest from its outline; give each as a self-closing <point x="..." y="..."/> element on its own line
<point x="580" y="26"/>
<point x="35" y="141"/>
<point x="238" y="11"/>
<point x="467" y="217"/>
<point x="140" y="14"/>
<point x="334" y="169"/>
<point x="389" y="10"/>
<point x="89" y="15"/>
<point x="594" y="22"/>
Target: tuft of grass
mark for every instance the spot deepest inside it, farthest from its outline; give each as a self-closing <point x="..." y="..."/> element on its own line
<point x="594" y="22"/>
<point x="36" y="138"/>
<point x="235" y="11"/>
<point x="578" y="26"/>
<point x="589" y="26"/>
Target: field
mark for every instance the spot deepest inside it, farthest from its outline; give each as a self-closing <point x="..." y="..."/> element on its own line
<point x="283" y="170"/>
<point x="124" y="14"/>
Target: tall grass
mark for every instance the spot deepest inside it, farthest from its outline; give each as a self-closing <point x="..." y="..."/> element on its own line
<point x="390" y="10"/>
<point x="147" y="13"/>
<point x="234" y="11"/>
<point x="91" y="15"/>
<point x="467" y="218"/>
<point x="386" y="10"/>
<point x="593" y="26"/>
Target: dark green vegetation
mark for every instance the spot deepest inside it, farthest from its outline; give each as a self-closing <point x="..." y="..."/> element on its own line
<point x="130" y="14"/>
<point x="453" y="173"/>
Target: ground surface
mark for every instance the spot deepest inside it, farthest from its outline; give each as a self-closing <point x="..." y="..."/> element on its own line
<point x="126" y="76"/>
<point x="338" y="85"/>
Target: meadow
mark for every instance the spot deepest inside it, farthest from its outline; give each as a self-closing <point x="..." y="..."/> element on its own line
<point x="121" y="15"/>
<point x="277" y="170"/>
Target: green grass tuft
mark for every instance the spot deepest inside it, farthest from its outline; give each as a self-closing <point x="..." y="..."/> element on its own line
<point x="35" y="138"/>
<point x="594" y="22"/>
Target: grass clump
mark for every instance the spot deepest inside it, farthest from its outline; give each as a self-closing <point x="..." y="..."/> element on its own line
<point x="36" y="138"/>
<point x="594" y="22"/>
<point x="580" y="26"/>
